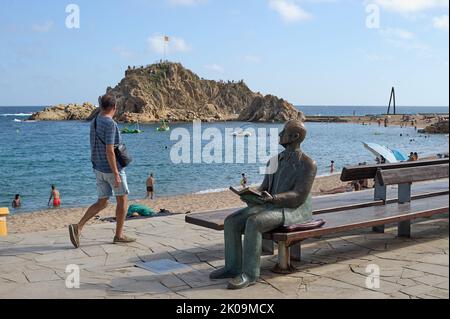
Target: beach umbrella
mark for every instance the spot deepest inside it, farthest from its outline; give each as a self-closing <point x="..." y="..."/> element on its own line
<point x="381" y="150"/>
<point x="399" y="155"/>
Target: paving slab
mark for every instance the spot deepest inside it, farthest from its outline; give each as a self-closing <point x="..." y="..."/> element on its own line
<point x="34" y="265"/>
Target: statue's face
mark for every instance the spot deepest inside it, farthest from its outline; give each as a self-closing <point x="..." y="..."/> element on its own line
<point x="293" y="132"/>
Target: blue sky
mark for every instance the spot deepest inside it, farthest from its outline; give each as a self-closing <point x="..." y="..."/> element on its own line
<point x="310" y="52"/>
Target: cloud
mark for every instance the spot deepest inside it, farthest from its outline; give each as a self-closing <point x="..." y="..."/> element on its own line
<point x="441" y="22"/>
<point x="395" y="33"/>
<point x="411" y="6"/>
<point x="215" y="68"/>
<point x="124" y="52"/>
<point x="405" y="40"/>
<point x="175" y="44"/>
<point x="289" y="10"/>
<point x="252" y="59"/>
<point x="375" y="57"/>
<point x="42" y="28"/>
<point x="185" y="3"/>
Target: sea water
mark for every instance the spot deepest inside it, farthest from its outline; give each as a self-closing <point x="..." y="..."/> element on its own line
<point x="34" y="155"/>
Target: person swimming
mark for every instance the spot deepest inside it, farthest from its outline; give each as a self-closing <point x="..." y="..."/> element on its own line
<point x="56" y="197"/>
<point x="16" y="203"/>
<point x="244" y="181"/>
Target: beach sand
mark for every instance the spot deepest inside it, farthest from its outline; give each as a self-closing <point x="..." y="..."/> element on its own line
<point x="418" y="121"/>
<point x="60" y="218"/>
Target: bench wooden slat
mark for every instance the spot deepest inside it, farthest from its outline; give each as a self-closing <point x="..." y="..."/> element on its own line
<point x="354" y="173"/>
<point x="213" y="220"/>
<point x="369" y="217"/>
<point x="325" y="204"/>
<point x="411" y="175"/>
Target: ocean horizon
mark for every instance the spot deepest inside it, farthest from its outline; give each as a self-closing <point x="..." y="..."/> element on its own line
<point x="36" y="155"/>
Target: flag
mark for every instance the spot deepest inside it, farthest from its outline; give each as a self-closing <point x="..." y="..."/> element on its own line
<point x="166" y="38"/>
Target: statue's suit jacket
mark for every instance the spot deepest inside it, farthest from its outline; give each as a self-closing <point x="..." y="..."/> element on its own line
<point x="291" y="185"/>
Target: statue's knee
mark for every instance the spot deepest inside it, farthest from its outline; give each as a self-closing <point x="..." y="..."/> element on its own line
<point x="230" y="221"/>
<point x="253" y="224"/>
<point x="235" y="219"/>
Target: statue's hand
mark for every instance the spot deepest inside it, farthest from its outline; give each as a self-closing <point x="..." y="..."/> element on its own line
<point x="267" y="198"/>
<point x="252" y="200"/>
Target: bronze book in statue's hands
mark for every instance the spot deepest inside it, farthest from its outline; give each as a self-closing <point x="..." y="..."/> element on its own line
<point x="246" y="192"/>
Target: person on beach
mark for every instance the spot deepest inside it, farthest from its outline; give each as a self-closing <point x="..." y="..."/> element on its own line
<point x="16" y="203"/>
<point x="54" y="193"/>
<point x="110" y="176"/>
<point x="332" y="167"/>
<point x="244" y="181"/>
<point x="150" y="186"/>
<point x="416" y="156"/>
<point x="411" y="157"/>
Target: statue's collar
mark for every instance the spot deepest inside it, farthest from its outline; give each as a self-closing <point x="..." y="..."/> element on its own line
<point x="287" y="155"/>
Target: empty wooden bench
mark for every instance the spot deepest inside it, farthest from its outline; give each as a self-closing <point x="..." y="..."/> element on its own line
<point x="374" y="208"/>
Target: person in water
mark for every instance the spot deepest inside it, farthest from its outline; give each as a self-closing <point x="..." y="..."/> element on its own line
<point x="150" y="186"/>
<point x="16" y="203"/>
<point x="244" y="181"/>
<point x="332" y="167"/>
<point x="56" y="197"/>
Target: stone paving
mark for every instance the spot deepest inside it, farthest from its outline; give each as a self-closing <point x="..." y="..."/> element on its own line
<point x="33" y="265"/>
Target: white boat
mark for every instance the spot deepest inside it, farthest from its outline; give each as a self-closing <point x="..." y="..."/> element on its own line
<point x="242" y="133"/>
<point x="24" y="121"/>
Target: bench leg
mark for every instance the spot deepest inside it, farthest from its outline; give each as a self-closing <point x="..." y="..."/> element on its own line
<point x="284" y="260"/>
<point x="378" y="229"/>
<point x="296" y="252"/>
<point x="268" y="247"/>
<point x="404" y="229"/>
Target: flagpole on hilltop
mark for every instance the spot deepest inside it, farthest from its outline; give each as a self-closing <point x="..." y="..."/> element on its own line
<point x="166" y="41"/>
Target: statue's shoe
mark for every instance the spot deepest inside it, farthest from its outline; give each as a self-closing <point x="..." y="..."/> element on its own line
<point x="240" y="282"/>
<point x="222" y="273"/>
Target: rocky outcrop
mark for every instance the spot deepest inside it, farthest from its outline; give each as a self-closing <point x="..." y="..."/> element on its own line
<point x="269" y="108"/>
<point x="169" y="91"/>
<point x="69" y="112"/>
<point x="438" y="128"/>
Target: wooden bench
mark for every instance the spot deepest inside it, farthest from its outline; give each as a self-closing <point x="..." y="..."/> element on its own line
<point x="3" y="213"/>
<point x="360" y="210"/>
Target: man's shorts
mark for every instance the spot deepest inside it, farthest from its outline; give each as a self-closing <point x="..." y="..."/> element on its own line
<point x="105" y="185"/>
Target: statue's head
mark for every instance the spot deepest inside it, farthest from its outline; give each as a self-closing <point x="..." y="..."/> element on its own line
<point x="294" y="133"/>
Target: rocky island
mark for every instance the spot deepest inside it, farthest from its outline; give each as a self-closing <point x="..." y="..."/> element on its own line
<point x="168" y="91"/>
<point x="61" y="112"/>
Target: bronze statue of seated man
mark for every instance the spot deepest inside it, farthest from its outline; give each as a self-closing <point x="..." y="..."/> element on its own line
<point x="286" y="201"/>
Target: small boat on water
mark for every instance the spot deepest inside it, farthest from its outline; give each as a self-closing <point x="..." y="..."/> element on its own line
<point x="164" y="127"/>
<point x="242" y="133"/>
<point x="24" y="121"/>
<point x="136" y="130"/>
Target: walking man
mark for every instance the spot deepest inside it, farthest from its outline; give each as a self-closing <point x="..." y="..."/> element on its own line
<point x="111" y="178"/>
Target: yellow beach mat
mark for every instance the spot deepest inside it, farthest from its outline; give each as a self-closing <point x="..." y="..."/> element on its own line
<point x="3" y="213"/>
